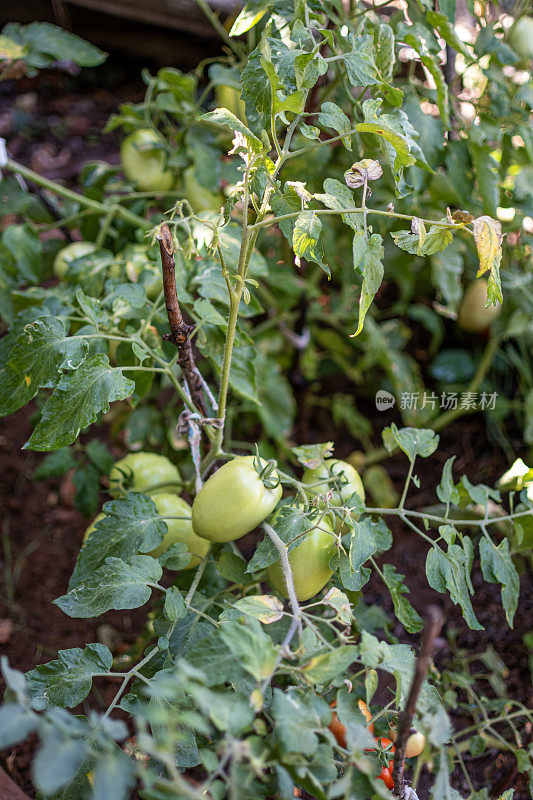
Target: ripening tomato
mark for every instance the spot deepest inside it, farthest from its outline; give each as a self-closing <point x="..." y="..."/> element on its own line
<point x="70" y="253"/>
<point x="386" y="776"/>
<point x="200" y="198"/>
<point x="144" y="161"/>
<point x="309" y="562"/>
<point x="179" y="529"/>
<point x="143" y="472"/>
<point x="344" y="481"/>
<point x="339" y="730"/>
<point x="235" y="500"/>
<point x="473" y="317"/>
<point x="415" y="742"/>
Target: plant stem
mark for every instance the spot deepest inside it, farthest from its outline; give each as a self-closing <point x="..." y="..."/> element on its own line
<point x="287" y="572"/>
<point x="218" y="26"/>
<point x="69" y="194"/>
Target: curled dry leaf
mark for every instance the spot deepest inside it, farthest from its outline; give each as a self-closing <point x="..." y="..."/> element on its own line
<point x="361" y="171"/>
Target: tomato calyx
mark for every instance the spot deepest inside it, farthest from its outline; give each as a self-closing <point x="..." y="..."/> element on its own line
<point x="267" y="472"/>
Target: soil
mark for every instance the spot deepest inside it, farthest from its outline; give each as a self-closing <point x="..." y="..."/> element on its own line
<point x="53" y="125"/>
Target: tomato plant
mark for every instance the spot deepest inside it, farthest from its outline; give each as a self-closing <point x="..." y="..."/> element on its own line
<point x="253" y="284"/>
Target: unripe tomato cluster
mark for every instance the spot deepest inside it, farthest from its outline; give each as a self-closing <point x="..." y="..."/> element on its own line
<point x="238" y="497"/>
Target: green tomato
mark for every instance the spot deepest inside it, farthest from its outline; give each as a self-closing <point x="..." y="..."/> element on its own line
<point x="229" y="97"/>
<point x="309" y="562"/>
<point x="200" y="198"/>
<point x="473" y="317"/>
<point x="520" y="37"/>
<point x="144" y="161"/>
<point x="70" y="253"/>
<point x="179" y="530"/>
<point x="344" y="481"/>
<point x="233" y="501"/>
<point x="143" y="472"/>
<point x="140" y="269"/>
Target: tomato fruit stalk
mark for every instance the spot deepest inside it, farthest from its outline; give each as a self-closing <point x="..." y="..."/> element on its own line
<point x="309" y="562"/>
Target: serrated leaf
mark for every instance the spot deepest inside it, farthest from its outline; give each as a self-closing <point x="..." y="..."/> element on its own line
<point x="174" y="607"/>
<point x="91" y="307"/>
<point x="77" y="401"/>
<point x="67" y="680"/>
<point x="446" y="490"/>
<point x="338" y="197"/>
<point x="412" y="441"/>
<point x="451" y="571"/>
<point x="488" y="239"/>
<point x="16" y="723"/>
<point x="497" y="567"/>
<point x="131" y="525"/>
<point x="437" y="239"/>
<point x="403" y="609"/>
<point x="264" y="607"/>
<point x="331" y="116"/>
<point x="34" y="362"/>
<point x="116" y="585"/>
<point x="57" y="761"/>
<point x="385" y="51"/>
<point x="113" y="776"/>
<point x="311" y="455"/>
<point x="325" y="668"/>
<point x="225" y="118"/>
<point x="306" y="239"/>
<point x="360" y="63"/>
<point x="368" y="253"/>
<point x="251" y="645"/>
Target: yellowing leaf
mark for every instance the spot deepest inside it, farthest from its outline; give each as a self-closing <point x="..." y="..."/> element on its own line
<point x="488" y="238"/>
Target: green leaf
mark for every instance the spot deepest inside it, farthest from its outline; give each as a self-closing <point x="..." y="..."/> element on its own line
<point x="41" y="39"/>
<point x="360" y="63"/>
<point x="323" y="669"/>
<point x="367" y="254"/>
<point x="91" y="307"/>
<point x="26" y="248"/>
<point x="256" y="93"/>
<point x="278" y="407"/>
<point x="403" y="609"/>
<point x="265" y="608"/>
<point x="16" y="723"/>
<point x="291" y="525"/>
<point x="446" y="490"/>
<point x="116" y="585"/>
<point x="497" y="567"/>
<point x="225" y="118"/>
<point x="447" y="31"/>
<point x="305" y="239"/>
<point x="437" y="239"/>
<point x="486" y="170"/>
<point x="385" y="56"/>
<point x="297" y="717"/>
<point x="55" y="464"/>
<point x="57" y="761"/>
<point x="86" y="479"/>
<point x="174" y="607"/>
<point x="113" y="776"/>
<point x="251" y="646"/>
<point x="35" y="360"/>
<point x="413" y="441"/>
<point x="331" y="116"/>
<point x="338" y="197"/>
<point x="77" y="401"/>
<point x="228" y="711"/>
<point x="131" y="525"/>
<point x="451" y="571"/>
<point x="67" y="680"/>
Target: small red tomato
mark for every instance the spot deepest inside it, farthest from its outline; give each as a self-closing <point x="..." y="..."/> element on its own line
<point x="386" y="776"/>
<point x="339" y="730"/>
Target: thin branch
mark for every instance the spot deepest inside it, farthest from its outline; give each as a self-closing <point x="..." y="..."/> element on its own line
<point x="432" y="629"/>
<point x="180" y="332"/>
